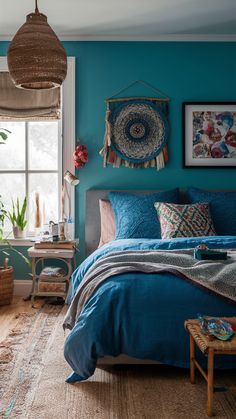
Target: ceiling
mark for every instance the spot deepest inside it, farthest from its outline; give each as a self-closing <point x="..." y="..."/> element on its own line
<point x="127" y="19"/>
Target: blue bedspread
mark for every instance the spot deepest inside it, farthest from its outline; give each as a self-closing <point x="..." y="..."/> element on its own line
<point x="141" y="315"/>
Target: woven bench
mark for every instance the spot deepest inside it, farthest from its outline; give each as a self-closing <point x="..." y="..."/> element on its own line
<point x="210" y="348"/>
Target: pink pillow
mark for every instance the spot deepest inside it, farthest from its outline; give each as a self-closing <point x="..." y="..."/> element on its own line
<point x="108" y="224"/>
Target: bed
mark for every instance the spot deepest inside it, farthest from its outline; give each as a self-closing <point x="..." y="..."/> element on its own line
<point x="137" y="316"/>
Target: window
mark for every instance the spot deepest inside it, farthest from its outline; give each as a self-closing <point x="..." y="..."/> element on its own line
<point x="34" y="158"/>
<point x="29" y="163"/>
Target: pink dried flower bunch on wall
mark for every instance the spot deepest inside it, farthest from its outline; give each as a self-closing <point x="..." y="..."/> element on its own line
<point x="80" y="156"/>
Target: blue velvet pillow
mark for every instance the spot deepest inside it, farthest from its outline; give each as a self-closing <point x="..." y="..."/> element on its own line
<point x="136" y="216"/>
<point x="222" y="206"/>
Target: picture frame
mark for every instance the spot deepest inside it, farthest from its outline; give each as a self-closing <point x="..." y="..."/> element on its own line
<point x="209" y="134"/>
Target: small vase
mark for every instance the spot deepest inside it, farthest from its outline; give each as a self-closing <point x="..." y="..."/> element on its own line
<point x="18" y="233"/>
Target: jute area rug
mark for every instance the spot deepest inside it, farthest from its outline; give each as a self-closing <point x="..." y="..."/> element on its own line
<point x="33" y="370"/>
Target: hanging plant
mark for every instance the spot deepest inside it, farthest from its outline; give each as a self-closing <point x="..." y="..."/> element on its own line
<point x="80" y="156"/>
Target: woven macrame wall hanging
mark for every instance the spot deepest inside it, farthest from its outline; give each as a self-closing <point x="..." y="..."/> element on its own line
<point x="136" y="131"/>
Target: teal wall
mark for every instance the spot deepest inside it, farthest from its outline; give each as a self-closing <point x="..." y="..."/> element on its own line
<point x="184" y="71"/>
<point x="21" y="268"/>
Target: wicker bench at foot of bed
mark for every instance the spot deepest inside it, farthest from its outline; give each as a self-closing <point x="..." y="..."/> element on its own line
<point x="210" y="348"/>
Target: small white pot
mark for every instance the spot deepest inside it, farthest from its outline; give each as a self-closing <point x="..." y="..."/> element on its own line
<point x="18" y="233"/>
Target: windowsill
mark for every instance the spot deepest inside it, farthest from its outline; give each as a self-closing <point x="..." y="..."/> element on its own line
<point x="26" y="241"/>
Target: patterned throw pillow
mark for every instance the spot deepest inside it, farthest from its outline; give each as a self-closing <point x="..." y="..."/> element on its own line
<point x="184" y="220"/>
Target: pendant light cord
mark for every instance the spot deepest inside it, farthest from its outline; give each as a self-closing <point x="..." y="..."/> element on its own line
<point x="36" y="6"/>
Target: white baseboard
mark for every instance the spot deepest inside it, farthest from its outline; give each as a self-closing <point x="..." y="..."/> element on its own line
<point x="22" y="287"/>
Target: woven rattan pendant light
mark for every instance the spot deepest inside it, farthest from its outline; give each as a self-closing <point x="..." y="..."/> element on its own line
<point x="36" y="58"/>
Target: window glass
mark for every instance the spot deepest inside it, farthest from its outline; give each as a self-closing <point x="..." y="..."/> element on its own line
<point x="12" y="186"/>
<point x="46" y="184"/>
<point x="39" y="141"/>
<point x="43" y="145"/>
<point x="12" y="152"/>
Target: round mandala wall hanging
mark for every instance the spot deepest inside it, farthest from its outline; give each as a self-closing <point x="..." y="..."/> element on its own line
<point x="136" y="132"/>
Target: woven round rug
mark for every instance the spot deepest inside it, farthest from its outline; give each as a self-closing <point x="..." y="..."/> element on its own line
<point x="139" y="131"/>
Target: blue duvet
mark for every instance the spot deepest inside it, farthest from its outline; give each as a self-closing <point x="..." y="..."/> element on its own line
<point x="141" y="315"/>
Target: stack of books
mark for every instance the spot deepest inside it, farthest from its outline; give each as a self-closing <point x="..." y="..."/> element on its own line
<point x="52" y="279"/>
<point x="55" y="245"/>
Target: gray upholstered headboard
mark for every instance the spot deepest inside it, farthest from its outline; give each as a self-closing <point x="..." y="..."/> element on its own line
<point x="92" y="227"/>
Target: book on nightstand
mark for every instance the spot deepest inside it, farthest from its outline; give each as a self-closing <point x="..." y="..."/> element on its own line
<point x="55" y="245"/>
<point x="52" y="279"/>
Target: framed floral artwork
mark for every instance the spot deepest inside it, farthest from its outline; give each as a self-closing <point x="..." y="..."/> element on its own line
<point x="209" y="134"/>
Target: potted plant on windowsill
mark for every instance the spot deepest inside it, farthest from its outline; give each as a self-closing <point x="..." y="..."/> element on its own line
<point x="17" y="218"/>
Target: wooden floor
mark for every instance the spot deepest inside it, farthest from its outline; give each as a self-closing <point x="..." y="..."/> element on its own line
<point x="8" y="314"/>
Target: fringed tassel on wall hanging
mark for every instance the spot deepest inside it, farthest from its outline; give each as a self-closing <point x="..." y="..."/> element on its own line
<point x="136" y="131"/>
<point x="107" y="137"/>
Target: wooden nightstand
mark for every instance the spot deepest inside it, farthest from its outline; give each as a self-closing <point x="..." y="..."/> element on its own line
<point x="38" y="257"/>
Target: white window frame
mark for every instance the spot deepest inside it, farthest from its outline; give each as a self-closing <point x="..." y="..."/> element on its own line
<point x="28" y="171"/>
<point x="67" y="132"/>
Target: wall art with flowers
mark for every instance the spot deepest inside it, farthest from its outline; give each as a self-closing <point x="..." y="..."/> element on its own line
<point x="209" y="134"/>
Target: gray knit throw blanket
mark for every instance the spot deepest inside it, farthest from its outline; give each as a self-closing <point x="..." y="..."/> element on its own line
<point x="217" y="276"/>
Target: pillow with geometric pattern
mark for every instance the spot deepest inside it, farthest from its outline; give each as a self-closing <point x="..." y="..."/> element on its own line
<point x="192" y="220"/>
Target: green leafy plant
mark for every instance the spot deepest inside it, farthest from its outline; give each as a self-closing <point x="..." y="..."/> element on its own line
<point x="4" y="135"/>
<point x="9" y="248"/>
<point x="5" y="246"/>
<point x="3" y="214"/>
<point x="17" y="215"/>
